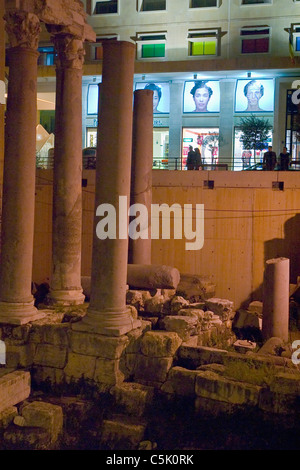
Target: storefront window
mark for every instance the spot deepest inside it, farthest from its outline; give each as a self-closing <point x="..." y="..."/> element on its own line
<point x="244" y="159"/>
<point x="207" y="140"/>
<point x="160" y="148"/>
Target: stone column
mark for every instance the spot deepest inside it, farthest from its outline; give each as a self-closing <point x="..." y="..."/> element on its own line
<point x="16" y="300"/>
<point x="275" y="321"/>
<point x="107" y="313"/>
<point x="141" y="173"/>
<point x="65" y="285"/>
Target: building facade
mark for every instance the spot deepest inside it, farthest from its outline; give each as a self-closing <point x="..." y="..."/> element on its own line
<point x="213" y="63"/>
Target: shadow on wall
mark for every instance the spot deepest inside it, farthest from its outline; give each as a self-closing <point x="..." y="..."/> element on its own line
<point x="287" y="247"/>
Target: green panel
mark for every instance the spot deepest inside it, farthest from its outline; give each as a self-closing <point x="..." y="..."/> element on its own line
<point x="197" y="48"/>
<point x="153" y="50"/>
<point x="210" y="48"/>
<point x="147" y="50"/>
<point x="159" y="50"/>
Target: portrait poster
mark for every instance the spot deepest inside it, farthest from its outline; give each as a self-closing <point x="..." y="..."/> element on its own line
<point x="161" y="95"/>
<point x="201" y="96"/>
<point x="254" y="95"/>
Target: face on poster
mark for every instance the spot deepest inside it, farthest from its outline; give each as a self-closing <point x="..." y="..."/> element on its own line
<point x="254" y="96"/>
<point x="161" y="95"/>
<point x="201" y="96"/>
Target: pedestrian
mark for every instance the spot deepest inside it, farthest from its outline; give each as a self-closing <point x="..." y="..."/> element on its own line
<point x="198" y="160"/>
<point x="269" y="160"/>
<point x="284" y="160"/>
<point x="191" y="159"/>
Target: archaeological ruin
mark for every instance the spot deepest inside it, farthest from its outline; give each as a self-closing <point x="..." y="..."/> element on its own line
<point x="135" y="354"/>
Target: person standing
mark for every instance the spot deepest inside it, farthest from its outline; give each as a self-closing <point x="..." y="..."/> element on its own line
<point x="284" y="160"/>
<point x="191" y="159"/>
<point x="269" y="160"/>
<point x="198" y="160"/>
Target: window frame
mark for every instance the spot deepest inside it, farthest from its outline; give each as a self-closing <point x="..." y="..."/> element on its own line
<point x="255" y="36"/>
<point x="140" y="7"/>
<point x="140" y="42"/>
<point x="258" y="2"/>
<point x="202" y="32"/>
<point x="94" y="2"/>
<point x="218" y="4"/>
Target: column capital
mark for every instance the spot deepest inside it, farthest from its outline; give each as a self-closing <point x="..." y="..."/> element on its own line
<point x="70" y="51"/>
<point x="23" y="29"/>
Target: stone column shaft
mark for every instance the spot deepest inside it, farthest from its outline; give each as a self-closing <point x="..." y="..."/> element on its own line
<point x="275" y="320"/>
<point x="141" y="171"/>
<point x="67" y="175"/>
<point x="16" y="300"/>
<point x="107" y="312"/>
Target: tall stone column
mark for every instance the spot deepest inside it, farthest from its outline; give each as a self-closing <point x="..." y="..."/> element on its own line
<point x="16" y="300"/>
<point x="275" y="320"/>
<point x="65" y="285"/>
<point x="107" y="313"/>
<point x="141" y="173"/>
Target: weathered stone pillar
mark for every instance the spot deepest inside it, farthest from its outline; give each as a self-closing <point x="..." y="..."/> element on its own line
<point x="67" y="174"/>
<point x="107" y="313"/>
<point x="16" y="300"/>
<point x="275" y="321"/>
<point x="141" y="173"/>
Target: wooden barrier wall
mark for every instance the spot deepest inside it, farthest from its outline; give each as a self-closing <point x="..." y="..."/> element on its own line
<point x="246" y="222"/>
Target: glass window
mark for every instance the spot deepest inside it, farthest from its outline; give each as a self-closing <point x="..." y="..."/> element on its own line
<point x="97" y="49"/>
<point x="106" y="6"/>
<point x="255" y="40"/>
<point x="151" y="45"/>
<point x="203" y="43"/>
<point x="152" y="5"/>
<point x="255" y="2"/>
<point x="203" y="3"/>
<point x="47" y="55"/>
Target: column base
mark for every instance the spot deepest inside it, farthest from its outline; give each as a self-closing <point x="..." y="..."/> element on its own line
<point x="19" y="313"/>
<point x="108" y="323"/>
<point x="66" y="297"/>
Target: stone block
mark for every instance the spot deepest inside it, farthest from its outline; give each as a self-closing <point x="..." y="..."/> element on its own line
<point x="215" y="408"/>
<point x="152" y="369"/>
<point x="14" y="388"/>
<point x="194" y="286"/>
<point x="221" y="307"/>
<point x="286" y="382"/>
<point x="19" y="355"/>
<point x="50" y="355"/>
<point x="278" y="403"/>
<point x="108" y="371"/>
<point x="213" y="386"/>
<point x="44" y="415"/>
<point x="20" y="438"/>
<point x="272" y="346"/>
<point x="91" y="344"/>
<point x="196" y="356"/>
<point x="180" y="381"/>
<point x="184" y="326"/>
<point x="56" y="333"/>
<point x="122" y="432"/>
<point x="134" y="340"/>
<point x="160" y="343"/>
<point x="178" y="303"/>
<point x="7" y="416"/>
<point x="134" y="398"/>
<point x="155" y="305"/>
<point x="79" y="366"/>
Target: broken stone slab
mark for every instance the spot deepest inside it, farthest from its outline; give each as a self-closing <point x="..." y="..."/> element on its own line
<point x="256" y="307"/>
<point x="193" y="286"/>
<point x="7" y="416"/>
<point x="14" y="388"/>
<point x="177" y="303"/>
<point x="134" y="398"/>
<point x="160" y="343"/>
<point x="221" y="307"/>
<point x="43" y="415"/>
<point x="125" y="431"/>
<point x="216" y="387"/>
<point x="184" y="326"/>
<point x="245" y="319"/>
<point x="180" y="381"/>
<point x="273" y="346"/>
